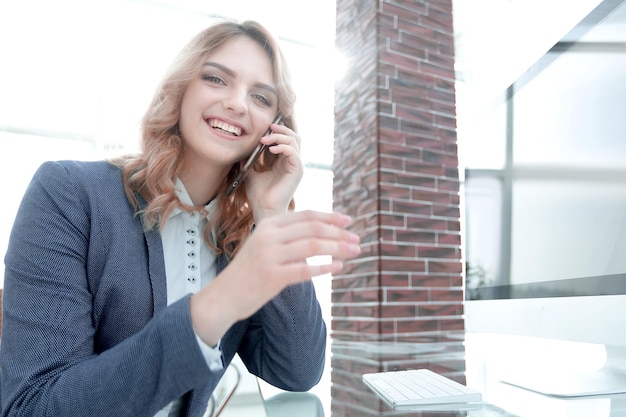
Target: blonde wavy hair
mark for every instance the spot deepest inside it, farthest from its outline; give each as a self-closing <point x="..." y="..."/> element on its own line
<point x="152" y="173"/>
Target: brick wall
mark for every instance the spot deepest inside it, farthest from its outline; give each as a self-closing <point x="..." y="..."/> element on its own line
<point x="396" y="172"/>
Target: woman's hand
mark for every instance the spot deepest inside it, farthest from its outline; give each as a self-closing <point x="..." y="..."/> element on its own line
<point x="270" y="192"/>
<point x="272" y="258"/>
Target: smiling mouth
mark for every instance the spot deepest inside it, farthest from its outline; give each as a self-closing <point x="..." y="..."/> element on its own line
<point x="225" y="127"/>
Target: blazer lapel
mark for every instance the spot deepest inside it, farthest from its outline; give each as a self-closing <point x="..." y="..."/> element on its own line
<point x="156" y="262"/>
<point x="156" y="269"/>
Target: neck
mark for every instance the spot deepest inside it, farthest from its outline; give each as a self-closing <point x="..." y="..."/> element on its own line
<point x="202" y="188"/>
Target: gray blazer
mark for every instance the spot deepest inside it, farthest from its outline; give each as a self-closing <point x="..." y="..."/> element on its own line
<point x="86" y="327"/>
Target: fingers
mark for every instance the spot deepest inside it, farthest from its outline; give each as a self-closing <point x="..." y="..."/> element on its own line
<point x="302" y="235"/>
<point x="276" y="255"/>
<point x="282" y="135"/>
<point x="309" y="224"/>
<point x="300" y="272"/>
<point x="307" y="248"/>
<point x="334" y="218"/>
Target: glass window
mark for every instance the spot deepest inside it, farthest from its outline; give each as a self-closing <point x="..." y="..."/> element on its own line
<point x="553" y="205"/>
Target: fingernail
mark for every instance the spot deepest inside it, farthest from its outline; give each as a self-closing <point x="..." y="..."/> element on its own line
<point x="336" y="267"/>
<point x="354" y="249"/>
<point x="355" y="238"/>
<point x="346" y="217"/>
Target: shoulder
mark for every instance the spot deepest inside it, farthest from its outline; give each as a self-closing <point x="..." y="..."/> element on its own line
<point x="78" y="174"/>
<point x="86" y="181"/>
<point x="86" y="170"/>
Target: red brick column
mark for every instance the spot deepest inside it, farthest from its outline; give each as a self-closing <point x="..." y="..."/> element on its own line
<point x="396" y="172"/>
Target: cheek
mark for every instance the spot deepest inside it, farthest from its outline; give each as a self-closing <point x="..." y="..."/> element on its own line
<point x="262" y="122"/>
<point x="192" y="97"/>
<point x="187" y="103"/>
<point x="188" y="111"/>
<point x="183" y="121"/>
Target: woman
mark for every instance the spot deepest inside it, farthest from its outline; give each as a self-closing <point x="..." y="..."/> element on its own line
<point x="129" y="286"/>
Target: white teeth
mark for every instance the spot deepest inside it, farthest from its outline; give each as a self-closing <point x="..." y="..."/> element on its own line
<point x="225" y="127"/>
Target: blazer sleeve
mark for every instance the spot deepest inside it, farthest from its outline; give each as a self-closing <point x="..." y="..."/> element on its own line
<point x="286" y="340"/>
<point x="49" y="365"/>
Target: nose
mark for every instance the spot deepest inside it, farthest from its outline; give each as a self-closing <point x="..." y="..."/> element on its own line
<point x="236" y="101"/>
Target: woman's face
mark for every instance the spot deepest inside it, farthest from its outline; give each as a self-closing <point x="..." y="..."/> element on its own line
<point x="229" y="106"/>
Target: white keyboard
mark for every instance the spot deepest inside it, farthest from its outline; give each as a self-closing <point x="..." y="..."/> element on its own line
<point x="418" y="387"/>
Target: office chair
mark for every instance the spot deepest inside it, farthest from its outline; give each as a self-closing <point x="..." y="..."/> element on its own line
<point x="224" y="391"/>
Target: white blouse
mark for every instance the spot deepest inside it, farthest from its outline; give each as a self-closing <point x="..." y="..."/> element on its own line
<point x="190" y="264"/>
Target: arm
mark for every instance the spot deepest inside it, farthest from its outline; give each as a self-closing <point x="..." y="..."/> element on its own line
<point x="286" y="338"/>
<point x="286" y="341"/>
<point x="52" y="326"/>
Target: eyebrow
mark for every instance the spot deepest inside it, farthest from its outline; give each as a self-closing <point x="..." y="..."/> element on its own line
<point x="269" y="88"/>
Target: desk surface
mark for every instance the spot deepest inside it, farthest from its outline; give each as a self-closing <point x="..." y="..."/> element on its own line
<point x="499" y="400"/>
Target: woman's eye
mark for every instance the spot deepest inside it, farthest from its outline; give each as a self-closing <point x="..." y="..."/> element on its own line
<point x="262" y="99"/>
<point x="213" y="79"/>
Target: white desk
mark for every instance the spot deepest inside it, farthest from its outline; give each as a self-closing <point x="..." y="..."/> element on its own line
<point x="500" y="399"/>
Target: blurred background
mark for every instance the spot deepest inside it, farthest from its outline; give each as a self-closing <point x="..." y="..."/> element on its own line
<point x="77" y="75"/>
